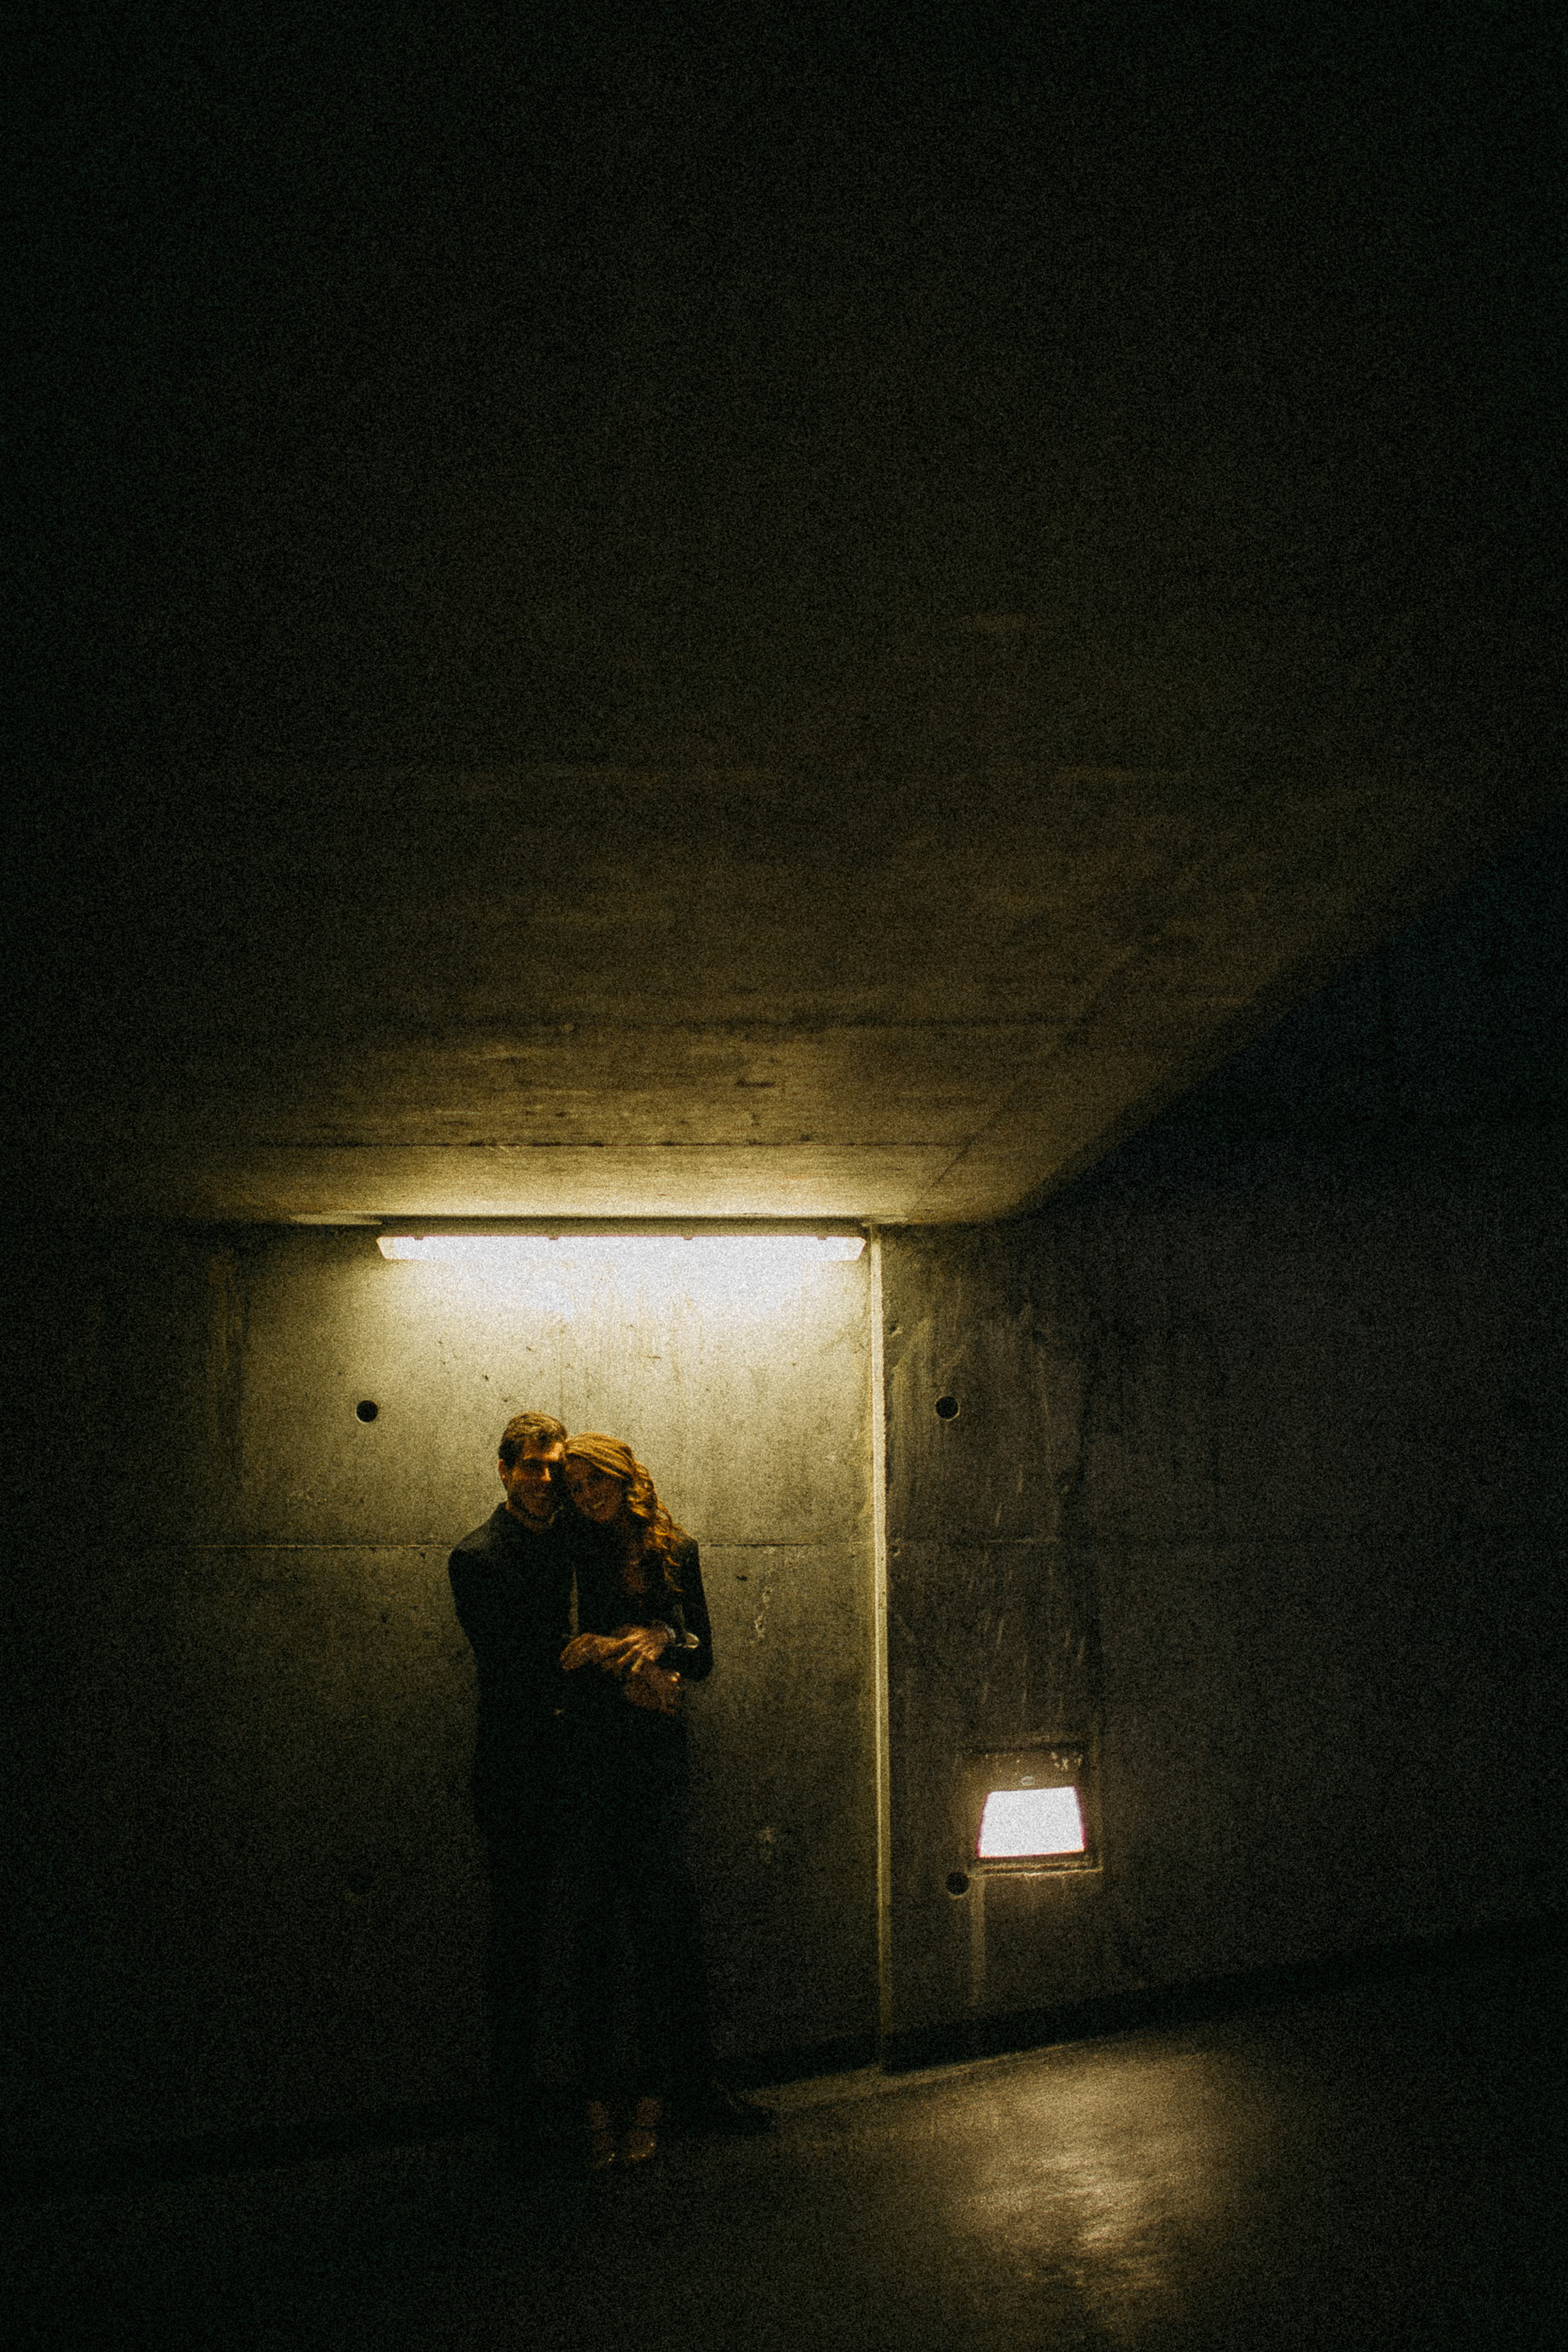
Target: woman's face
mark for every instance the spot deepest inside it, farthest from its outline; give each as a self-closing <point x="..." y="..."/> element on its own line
<point x="597" y="1496"/>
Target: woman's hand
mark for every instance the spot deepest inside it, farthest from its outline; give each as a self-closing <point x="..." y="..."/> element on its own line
<point x="633" y="1645"/>
<point x="584" y="1649"/>
<point x="619" y="1653"/>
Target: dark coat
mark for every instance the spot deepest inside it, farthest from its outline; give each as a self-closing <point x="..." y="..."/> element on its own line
<point x="511" y="1584"/>
<point x="599" y="1717"/>
<point x="603" y="1605"/>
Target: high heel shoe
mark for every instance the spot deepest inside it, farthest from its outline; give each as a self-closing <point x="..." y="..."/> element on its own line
<point x="601" y="2136"/>
<point x="641" y="2136"/>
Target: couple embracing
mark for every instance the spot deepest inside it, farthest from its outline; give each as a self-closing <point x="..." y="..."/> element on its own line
<point x="583" y="1604"/>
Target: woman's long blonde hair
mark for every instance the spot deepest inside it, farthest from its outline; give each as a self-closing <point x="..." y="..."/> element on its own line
<point x="655" y="1542"/>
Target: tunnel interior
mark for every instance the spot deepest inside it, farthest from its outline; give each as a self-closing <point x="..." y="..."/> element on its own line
<point x="1225" y="1489"/>
<point x="940" y="634"/>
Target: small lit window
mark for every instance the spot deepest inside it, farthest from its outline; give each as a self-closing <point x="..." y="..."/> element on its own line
<point x="1017" y="1822"/>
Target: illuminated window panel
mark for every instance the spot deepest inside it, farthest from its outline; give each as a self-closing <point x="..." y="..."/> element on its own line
<point x="1020" y="1822"/>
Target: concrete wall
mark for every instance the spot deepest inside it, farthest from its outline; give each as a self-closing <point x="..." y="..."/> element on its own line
<point x="245" y="1878"/>
<point x="1256" y="1494"/>
<point x="1258" y="1488"/>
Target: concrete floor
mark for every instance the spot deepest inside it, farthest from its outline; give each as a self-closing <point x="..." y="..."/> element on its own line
<point x="1378" y="2165"/>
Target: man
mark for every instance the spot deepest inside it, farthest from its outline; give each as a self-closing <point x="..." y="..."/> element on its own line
<point x="512" y="1582"/>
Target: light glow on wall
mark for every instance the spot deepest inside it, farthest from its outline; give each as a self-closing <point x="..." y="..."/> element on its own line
<point x="1017" y="1823"/>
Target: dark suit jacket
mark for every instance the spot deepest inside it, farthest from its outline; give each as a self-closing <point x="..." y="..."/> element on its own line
<point x="511" y="1584"/>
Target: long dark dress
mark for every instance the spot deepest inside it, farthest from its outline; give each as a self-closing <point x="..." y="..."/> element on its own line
<point x="635" y="1903"/>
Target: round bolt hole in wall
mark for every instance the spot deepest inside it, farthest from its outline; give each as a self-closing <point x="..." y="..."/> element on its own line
<point x="947" y="1408"/>
<point x="366" y="1409"/>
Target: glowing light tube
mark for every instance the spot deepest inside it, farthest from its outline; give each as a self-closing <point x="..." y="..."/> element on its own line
<point x="1017" y="1823"/>
<point x="634" y="1249"/>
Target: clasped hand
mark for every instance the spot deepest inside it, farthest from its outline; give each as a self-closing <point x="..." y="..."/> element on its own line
<point x="619" y="1653"/>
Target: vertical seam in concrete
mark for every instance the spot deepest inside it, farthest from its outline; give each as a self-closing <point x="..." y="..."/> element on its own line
<point x="977" y="1943"/>
<point x="879" y="1650"/>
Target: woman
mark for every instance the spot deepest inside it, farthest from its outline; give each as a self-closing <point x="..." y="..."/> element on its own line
<point x="643" y="1632"/>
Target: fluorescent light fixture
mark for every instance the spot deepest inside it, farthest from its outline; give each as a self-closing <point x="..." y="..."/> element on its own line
<point x="744" y="1274"/>
<point x="1017" y="1822"/>
<point x="479" y="1250"/>
<point x="633" y="1250"/>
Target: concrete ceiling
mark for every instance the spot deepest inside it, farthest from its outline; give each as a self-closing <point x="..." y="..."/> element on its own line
<point x="818" y="635"/>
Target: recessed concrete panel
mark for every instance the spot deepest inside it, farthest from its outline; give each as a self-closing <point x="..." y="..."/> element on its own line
<point x="1319" y="1745"/>
<point x="254" y="1885"/>
<point x="1281" y="1384"/>
<point x="249" y="1891"/>
<point x="658" y="1178"/>
<point x="743" y="1387"/>
<point x="993" y="1620"/>
<point x="1044" y="1940"/>
<point x="929" y="1004"/>
<point x="783" y="1838"/>
<point x="971" y="574"/>
<point x="989" y="1646"/>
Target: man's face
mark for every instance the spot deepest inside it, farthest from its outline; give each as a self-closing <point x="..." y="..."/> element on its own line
<point x="532" y="1481"/>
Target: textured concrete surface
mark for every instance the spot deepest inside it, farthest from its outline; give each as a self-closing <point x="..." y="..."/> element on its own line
<point x="247" y="1887"/>
<point x="798" y="623"/>
<point x="932" y="1017"/>
<point x="1377" y="2165"/>
<point x="1302" y="1414"/>
<point x="1256" y="1490"/>
<point x="1256" y="1486"/>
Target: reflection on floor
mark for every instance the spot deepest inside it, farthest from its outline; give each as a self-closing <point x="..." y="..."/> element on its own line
<point x="1376" y="2165"/>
